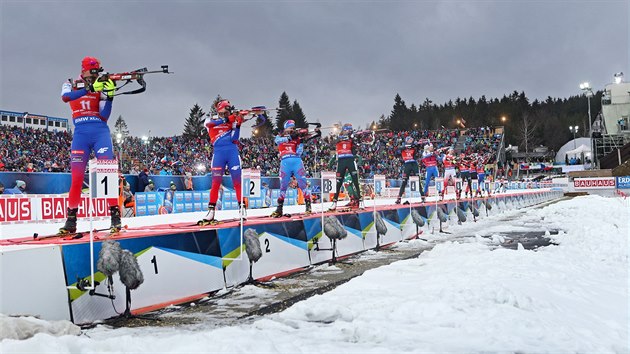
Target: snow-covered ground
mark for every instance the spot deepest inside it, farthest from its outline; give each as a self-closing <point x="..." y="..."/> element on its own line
<point x="457" y="297"/>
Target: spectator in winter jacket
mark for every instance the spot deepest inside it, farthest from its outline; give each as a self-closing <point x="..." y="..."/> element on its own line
<point x="128" y="199"/>
<point x="150" y="187"/>
<point x="143" y="180"/>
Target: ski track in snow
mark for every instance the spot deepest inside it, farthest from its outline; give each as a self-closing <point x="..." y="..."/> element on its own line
<point x="463" y="295"/>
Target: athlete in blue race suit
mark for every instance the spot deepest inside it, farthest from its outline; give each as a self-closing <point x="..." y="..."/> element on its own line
<point x="91" y="104"/>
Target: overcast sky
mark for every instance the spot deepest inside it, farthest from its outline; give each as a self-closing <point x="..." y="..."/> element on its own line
<point x="342" y="60"/>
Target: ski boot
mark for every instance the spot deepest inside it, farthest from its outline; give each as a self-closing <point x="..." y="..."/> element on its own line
<point x="354" y="204"/>
<point x="209" y="219"/>
<point x="116" y="224"/>
<point x="70" y="226"/>
<point x="397" y="200"/>
<point x="278" y="212"/>
<point x="333" y="207"/>
<point x="307" y="203"/>
<point x="242" y="211"/>
<point x="360" y="204"/>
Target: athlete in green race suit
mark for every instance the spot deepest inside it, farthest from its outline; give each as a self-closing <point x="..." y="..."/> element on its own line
<point x="346" y="155"/>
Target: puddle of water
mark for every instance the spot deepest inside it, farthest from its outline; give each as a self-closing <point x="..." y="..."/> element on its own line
<point x="530" y="240"/>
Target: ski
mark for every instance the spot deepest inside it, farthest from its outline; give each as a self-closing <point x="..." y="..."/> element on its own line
<point x="219" y="222"/>
<point x="65" y="237"/>
<point x="345" y="209"/>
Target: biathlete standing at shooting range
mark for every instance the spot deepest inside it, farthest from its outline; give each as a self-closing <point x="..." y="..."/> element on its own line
<point x="224" y="131"/>
<point x="430" y="161"/>
<point x="481" y="176"/>
<point x="91" y="104"/>
<point x="464" y="174"/>
<point x="410" y="166"/>
<point x="472" y="175"/>
<point x="291" y="164"/>
<point x="448" y="161"/>
<point x="346" y="152"/>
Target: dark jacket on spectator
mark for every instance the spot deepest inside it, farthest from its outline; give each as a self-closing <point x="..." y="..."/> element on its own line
<point x="143" y="180"/>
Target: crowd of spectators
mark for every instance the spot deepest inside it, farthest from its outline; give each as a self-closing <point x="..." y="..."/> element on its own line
<point x="34" y="150"/>
<point x="30" y="150"/>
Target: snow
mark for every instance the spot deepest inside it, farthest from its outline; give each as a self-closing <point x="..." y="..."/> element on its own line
<point x="26" y="327"/>
<point x="464" y="295"/>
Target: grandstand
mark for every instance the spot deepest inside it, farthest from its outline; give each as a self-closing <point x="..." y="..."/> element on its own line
<point x="35" y="121"/>
<point x="379" y="155"/>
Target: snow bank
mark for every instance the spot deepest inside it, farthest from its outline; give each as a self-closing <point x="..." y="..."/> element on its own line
<point x="26" y="327"/>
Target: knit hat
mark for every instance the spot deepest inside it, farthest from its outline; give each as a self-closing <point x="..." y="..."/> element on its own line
<point x="20" y="184"/>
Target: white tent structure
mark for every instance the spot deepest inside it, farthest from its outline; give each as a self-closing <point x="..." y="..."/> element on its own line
<point x="573" y="145"/>
<point x="582" y="149"/>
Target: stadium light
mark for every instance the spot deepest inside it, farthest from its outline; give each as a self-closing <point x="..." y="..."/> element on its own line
<point x="586" y="87"/>
<point x="503" y="119"/>
<point x="574" y="130"/>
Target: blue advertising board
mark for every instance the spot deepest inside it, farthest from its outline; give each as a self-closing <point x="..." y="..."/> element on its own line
<point x="623" y="182"/>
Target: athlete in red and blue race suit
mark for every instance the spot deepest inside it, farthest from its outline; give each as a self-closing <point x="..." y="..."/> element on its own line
<point x="224" y="131"/>
<point x="410" y="165"/>
<point x="481" y="176"/>
<point x="472" y="175"/>
<point x="289" y="145"/>
<point x="91" y="104"/>
<point x="464" y="173"/>
<point x="448" y="161"/>
<point x="429" y="160"/>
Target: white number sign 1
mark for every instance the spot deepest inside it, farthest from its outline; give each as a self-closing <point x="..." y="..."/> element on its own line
<point x="103" y="178"/>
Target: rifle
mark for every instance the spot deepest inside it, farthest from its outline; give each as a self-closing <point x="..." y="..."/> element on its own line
<point x="316" y="133"/>
<point x="307" y="135"/>
<point x="258" y="112"/>
<point x="128" y="77"/>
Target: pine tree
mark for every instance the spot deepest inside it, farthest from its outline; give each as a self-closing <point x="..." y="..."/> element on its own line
<point x="414" y="117"/>
<point x="193" y="126"/>
<point x="383" y="122"/>
<point x="398" y="117"/>
<point x="298" y="115"/>
<point x="120" y="127"/>
<point x="285" y="113"/>
<point x="266" y="129"/>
